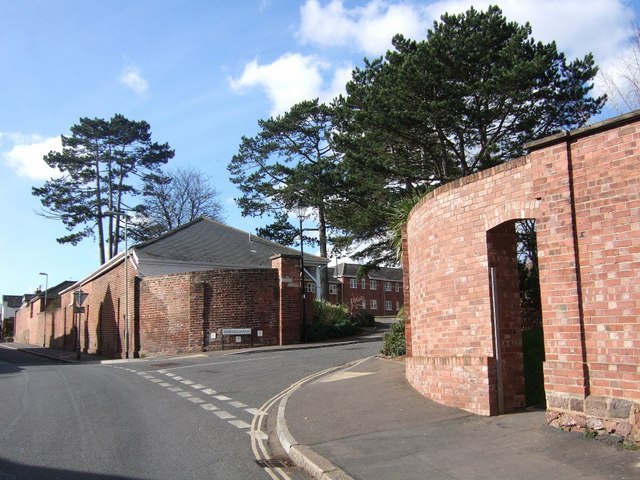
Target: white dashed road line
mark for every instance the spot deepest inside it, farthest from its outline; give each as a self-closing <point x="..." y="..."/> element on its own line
<point x="199" y="388"/>
<point x="224" y="414"/>
<point x="240" y="424"/>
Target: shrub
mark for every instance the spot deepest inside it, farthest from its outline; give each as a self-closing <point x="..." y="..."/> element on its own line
<point x="394" y="343"/>
<point x="364" y="318"/>
<point x="330" y="321"/>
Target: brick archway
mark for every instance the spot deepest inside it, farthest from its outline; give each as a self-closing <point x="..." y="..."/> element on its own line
<point x="507" y="384"/>
<point x="583" y="189"/>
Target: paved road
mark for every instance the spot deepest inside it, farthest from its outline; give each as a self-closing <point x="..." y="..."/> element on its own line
<point x="155" y="419"/>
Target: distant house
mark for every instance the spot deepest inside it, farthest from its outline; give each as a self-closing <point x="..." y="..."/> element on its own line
<point x="10" y="304"/>
<point x="378" y="290"/>
<point x="187" y="291"/>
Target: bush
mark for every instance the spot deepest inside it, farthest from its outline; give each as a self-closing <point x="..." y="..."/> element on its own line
<point x="364" y="318"/>
<point x="330" y="321"/>
<point x="394" y="343"/>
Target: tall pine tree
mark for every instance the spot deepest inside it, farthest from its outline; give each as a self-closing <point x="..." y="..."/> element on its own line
<point x="466" y="98"/>
<point x="105" y="165"/>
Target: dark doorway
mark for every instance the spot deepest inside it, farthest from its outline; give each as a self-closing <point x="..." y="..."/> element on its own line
<point x="517" y="379"/>
<point x="531" y="311"/>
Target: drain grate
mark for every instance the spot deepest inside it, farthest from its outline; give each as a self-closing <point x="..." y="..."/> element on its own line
<point x="272" y="463"/>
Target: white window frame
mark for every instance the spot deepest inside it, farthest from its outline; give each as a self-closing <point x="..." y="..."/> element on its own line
<point x="333" y="289"/>
<point x="364" y="283"/>
<point x="374" y="284"/>
<point x="397" y="287"/>
<point x="387" y="286"/>
<point x="397" y="305"/>
<point x="353" y="282"/>
<point x="373" y="304"/>
<point x="311" y="287"/>
<point x="388" y="305"/>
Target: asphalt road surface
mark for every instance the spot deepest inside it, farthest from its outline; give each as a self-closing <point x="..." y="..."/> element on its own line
<point x="178" y="418"/>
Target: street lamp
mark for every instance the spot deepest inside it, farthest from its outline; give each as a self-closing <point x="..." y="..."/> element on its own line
<point x="44" y="327"/>
<point x="117" y="213"/>
<point x="300" y="212"/>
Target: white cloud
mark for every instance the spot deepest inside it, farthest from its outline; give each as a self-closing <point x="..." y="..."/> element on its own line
<point x="289" y="79"/>
<point x="25" y="156"/>
<point x="368" y="28"/>
<point x="133" y="79"/>
<point x="577" y="26"/>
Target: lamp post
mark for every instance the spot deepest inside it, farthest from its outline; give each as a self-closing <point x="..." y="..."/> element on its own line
<point x="300" y="212"/>
<point x="116" y="213"/>
<point x="44" y="327"/>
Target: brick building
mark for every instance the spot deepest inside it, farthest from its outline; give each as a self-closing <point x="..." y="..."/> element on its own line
<point x="182" y="291"/>
<point x="461" y="287"/>
<point x="378" y="290"/>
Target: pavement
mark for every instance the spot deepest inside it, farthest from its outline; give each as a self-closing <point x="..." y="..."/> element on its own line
<point x="365" y="422"/>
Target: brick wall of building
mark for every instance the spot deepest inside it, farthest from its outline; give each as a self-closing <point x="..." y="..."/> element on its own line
<point x="583" y="190"/>
<point x="379" y="294"/>
<point x="169" y="314"/>
<point x="290" y="308"/>
<point x="187" y="312"/>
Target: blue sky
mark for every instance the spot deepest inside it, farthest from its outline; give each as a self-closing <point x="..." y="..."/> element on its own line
<point x="202" y="73"/>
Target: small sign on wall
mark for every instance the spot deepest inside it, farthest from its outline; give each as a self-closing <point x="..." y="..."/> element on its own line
<point x="236" y="331"/>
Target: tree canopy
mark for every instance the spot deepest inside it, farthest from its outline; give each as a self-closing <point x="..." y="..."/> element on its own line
<point x="466" y="98"/>
<point x="622" y="82"/>
<point x="105" y="165"/>
<point x="184" y="195"/>
<point x="291" y="161"/>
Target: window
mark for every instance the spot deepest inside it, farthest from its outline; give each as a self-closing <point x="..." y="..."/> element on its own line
<point x="397" y="287"/>
<point x="353" y="283"/>
<point x="388" y="306"/>
<point x="374" y="284"/>
<point x="333" y="289"/>
<point x="364" y="304"/>
<point x="311" y="287"/>
<point x="397" y="305"/>
<point x="387" y="286"/>
<point x="374" y="304"/>
<point x="364" y="283"/>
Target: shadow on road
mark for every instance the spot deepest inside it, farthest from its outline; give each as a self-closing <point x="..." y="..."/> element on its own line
<point x="18" y="471"/>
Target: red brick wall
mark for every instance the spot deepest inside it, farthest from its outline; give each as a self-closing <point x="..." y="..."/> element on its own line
<point x="583" y="190"/>
<point x="31" y="320"/>
<point x="180" y="312"/>
<point x="290" y="309"/>
<point x="175" y="313"/>
<point x="379" y="294"/>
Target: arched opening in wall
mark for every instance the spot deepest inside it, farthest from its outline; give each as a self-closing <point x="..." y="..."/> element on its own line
<point x="511" y="261"/>
<point x="531" y="312"/>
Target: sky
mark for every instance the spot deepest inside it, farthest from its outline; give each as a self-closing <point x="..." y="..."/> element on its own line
<point x="202" y="73"/>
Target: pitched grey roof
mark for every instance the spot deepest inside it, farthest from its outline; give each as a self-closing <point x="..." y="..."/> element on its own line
<point x="210" y="244"/>
<point x="377" y="273"/>
<point x="54" y="291"/>
<point x="12" y="301"/>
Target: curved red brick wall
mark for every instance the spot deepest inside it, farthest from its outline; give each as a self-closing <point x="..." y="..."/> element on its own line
<point x="583" y="190"/>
